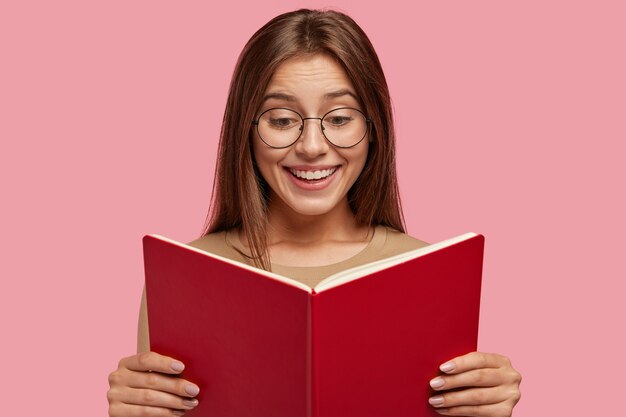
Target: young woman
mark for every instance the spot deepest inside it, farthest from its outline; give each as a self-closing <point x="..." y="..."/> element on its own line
<point x="306" y="186"/>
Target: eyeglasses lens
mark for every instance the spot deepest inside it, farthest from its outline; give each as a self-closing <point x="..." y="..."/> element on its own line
<point x="343" y="127"/>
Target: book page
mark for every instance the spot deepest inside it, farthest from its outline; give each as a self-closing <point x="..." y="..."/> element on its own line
<point x="369" y="268"/>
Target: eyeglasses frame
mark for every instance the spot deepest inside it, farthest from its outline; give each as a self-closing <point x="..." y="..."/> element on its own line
<point x="367" y="128"/>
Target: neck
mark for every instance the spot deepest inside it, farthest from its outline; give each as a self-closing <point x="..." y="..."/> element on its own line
<point x="285" y="225"/>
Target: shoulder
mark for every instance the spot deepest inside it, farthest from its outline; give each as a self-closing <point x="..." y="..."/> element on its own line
<point x="215" y="243"/>
<point x="399" y="242"/>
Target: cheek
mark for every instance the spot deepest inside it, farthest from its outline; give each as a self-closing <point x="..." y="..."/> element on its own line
<point x="258" y="158"/>
<point x="258" y="152"/>
<point x="360" y="163"/>
<point x="361" y="158"/>
<point x="267" y="159"/>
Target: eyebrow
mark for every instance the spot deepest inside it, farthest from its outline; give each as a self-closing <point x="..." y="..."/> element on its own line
<point x="331" y="95"/>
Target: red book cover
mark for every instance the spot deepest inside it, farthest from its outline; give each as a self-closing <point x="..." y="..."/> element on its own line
<point x="364" y="342"/>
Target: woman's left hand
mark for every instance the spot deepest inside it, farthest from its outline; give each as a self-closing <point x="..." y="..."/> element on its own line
<point x="493" y="386"/>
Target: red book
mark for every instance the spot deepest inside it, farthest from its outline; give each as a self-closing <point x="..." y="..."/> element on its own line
<point x="364" y="342"/>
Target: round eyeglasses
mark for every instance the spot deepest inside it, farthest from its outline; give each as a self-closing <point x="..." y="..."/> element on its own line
<point x="343" y="127"/>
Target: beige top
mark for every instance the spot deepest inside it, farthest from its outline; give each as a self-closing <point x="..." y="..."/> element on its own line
<point x="384" y="243"/>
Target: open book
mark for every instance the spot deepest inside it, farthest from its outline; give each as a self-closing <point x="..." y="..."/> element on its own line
<point x="363" y="342"/>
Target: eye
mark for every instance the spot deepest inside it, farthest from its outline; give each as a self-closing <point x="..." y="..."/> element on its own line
<point x="283" y="122"/>
<point x="280" y="119"/>
<point x="337" y="121"/>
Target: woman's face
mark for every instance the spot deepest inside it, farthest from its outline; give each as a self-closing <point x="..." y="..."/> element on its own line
<point x="311" y="85"/>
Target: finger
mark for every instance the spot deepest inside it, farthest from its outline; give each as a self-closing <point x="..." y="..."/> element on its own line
<point x="125" y="410"/>
<point x="156" y="399"/>
<point x="152" y="361"/>
<point x="474" y="360"/>
<point x="472" y="396"/>
<point x="488" y="410"/>
<point x="484" y="377"/>
<point x="161" y="382"/>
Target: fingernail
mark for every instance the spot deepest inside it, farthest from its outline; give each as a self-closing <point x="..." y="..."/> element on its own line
<point x="441" y="410"/>
<point x="437" y="382"/>
<point x="177" y="366"/>
<point x="447" y="367"/>
<point x="190" y="403"/>
<point x="438" y="400"/>
<point x="178" y="412"/>
<point x="192" y="390"/>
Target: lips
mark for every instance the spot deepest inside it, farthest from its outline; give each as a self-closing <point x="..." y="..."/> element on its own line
<point x="312" y="179"/>
<point x="313" y="174"/>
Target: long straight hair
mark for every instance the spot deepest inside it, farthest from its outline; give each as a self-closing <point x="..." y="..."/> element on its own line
<point x="239" y="198"/>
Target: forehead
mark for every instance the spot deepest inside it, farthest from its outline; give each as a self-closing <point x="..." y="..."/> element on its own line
<point x="309" y="76"/>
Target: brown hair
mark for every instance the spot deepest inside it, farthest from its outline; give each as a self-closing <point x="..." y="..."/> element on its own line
<point x="239" y="195"/>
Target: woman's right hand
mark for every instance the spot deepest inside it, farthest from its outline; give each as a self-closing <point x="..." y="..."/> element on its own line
<point x="146" y="384"/>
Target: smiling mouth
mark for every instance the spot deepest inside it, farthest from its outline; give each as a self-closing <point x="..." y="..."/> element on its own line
<point x="312" y="176"/>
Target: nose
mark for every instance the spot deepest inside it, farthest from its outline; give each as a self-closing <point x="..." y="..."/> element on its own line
<point x="312" y="141"/>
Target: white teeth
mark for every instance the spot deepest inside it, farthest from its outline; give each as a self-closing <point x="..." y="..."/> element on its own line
<point x="312" y="175"/>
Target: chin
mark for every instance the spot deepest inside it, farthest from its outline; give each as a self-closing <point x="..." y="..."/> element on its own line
<point x="312" y="209"/>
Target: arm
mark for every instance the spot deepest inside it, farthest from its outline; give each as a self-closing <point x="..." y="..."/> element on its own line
<point x="143" y="337"/>
<point x="148" y="383"/>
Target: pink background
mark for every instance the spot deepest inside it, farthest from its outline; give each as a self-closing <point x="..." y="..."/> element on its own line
<point x="510" y="123"/>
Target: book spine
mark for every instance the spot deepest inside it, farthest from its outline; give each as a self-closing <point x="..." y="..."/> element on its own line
<point x="312" y="388"/>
